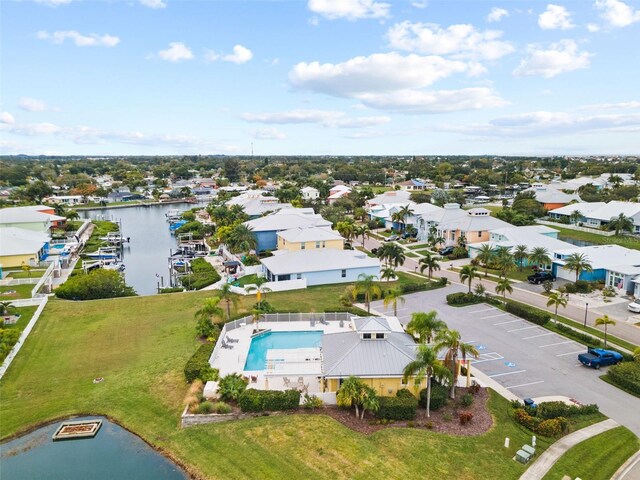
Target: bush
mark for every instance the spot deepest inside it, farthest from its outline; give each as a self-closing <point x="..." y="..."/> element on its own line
<point x="523" y="418"/>
<point x="626" y="375"/>
<point x="311" y="402"/>
<point x="413" y="287"/>
<point x="533" y="315"/>
<point x="548" y="410"/>
<point x="467" y="400"/>
<point x="205" y="407"/>
<point x="221" y="408"/>
<point x="553" y="427"/>
<point x="171" y="290"/>
<point x="96" y="284"/>
<point x="461" y="298"/>
<point x="232" y="386"/>
<point x="405" y="393"/>
<point x="252" y="400"/>
<point x="198" y="365"/>
<point x="439" y="396"/>
<point x="397" y="408"/>
<point x="465" y="417"/>
<point x="203" y="274"/>
<point x="474" y="388"/>
<point x="581" y="337"/>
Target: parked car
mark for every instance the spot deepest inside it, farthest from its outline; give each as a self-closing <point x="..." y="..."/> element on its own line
<point x="392" y="238"/>
<point x="634" y="306"/>
<point x="411" y="234"/>
<point x="446" y="251"/>
<point x="599" y="357"/>
<point x="540" y="277"/>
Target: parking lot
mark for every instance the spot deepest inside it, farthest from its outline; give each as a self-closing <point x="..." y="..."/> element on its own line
<point x="527" y="359"/>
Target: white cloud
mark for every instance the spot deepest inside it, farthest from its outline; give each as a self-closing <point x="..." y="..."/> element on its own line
<point x="419" y="4"/>
<point x="268" y="134"/>
<point x="35" y="105"/>
<point x="349" y="9"/>
<point x="561" y="57"/>
<point x="176" y="52"/>
<point x="314" y="21"/>
<point x="593" y="28"/>
<point x="153" y="3"/>
<point x="617" y="13"/>
<point x="631" y="105"/>
<point x="496" y="14"/>
<point x="91" y="40"/>
<point x="32" y="129"/>
<point x="239" y="56"/>
<point x="327" y="118"/>
<point x="555" y="17"/>
<point x="461" y="41"/>
<point x="53" y="3"/>
<point x="7" y="118"/>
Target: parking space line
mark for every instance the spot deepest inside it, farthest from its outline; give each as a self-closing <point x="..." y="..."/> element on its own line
<point x="523" y="328"/>
<point x="570" y="353"/>
<point x="507" y="373"/>
<point x="473" y="362"/>
<point x="525" y="384"/>
<point x="484" y="310"/>
<point x="494" y="316"/>
<point x="559" y="343"/>
<point x="541" y="335"/>
<point x="510" y="321"/>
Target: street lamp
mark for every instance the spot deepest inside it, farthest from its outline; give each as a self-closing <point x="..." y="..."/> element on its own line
<point x="586" y="309"/>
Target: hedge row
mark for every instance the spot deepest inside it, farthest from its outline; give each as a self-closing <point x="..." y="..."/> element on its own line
<point x="626" y="375"/>
<point x="203" y="274"/>
<point x="550" y="427"/>
<point x="460" y="298"/>
<point x="252" y="400"/>
<point x="198" y="365"/>
<point x="532" y="314"/>
<point x="547" y="410"/>
<point x="579" y="336"/>
<point x="397" y="408"/>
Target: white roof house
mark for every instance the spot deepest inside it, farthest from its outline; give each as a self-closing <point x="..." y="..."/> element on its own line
<point x="548" y="194"/>
<point x="309" y="234"/>
<point x="607" y="257"/>
<point x="28" y="218"/>
<point x="390" y="197"/>
<point x="310" y="193"/>
<point x="286" y="219"/>
<point x="18" y="241"/>
<point x="532" y="236"/>
<point x="600" y="213"/>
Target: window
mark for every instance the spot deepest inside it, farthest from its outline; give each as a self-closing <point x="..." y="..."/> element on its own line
<point x="479" y="234"/>
<point x="302" y="246"/>
<point x="299" y="276"/>
<point x="366" y="336"/>
<point x="317" y="244"/>
<point x="344" y="273"/>
<point x="324" y="244"/>
<point x="380" y="336"/>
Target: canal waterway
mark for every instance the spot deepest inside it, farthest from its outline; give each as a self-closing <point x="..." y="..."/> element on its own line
<point x="146" y="256"/>
<point x="114" y="453"/>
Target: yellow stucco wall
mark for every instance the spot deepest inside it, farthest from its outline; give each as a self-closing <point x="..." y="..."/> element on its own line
<point x="295" y="246"/>
<point x="385" y="387"/>
<point x="16" y="260"/>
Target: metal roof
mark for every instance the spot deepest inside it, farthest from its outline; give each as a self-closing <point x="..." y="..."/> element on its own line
<point x="285" y="262"/>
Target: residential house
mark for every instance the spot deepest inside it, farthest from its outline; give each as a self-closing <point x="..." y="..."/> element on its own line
<point x="551" y="198"/>
<point x="337" y="192"/>
<point x="309" y="238"/>
<point x="599" y="214"/>
<point x="413" y="185"/>
<point x="19" y="246"/>
<point x="390" y="197"/>
<point x="68" y="200"/>
<point x="30" y="218"/>
<point x="266" y="228"/>
<point x="309" y="194"/>
<point x="123" y="195"/>
<point x="255" y="204"/>
<point x="319" y="266"/>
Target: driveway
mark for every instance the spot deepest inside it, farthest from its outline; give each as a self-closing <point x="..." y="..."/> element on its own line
<point x="619" y="310"/>
<point x="524" y="358"/>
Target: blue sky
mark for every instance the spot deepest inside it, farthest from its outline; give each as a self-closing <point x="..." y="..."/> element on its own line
<point x="317" y="77"/>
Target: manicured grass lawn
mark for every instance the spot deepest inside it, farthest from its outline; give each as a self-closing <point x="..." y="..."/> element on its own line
<point x="625" y="241"/>
<point x="140" y="345"/>
<point x="597" y="458"/>
<point x="23" y="274"/>
<point x="102" y="227"/>
<point x="426" y="251"/>
<point x="246" y="280"/>
<point x="411" y="255"/>
<point x="21" y="291"/>
<point x="8" y="341"/>
<point x="515" y="274"/>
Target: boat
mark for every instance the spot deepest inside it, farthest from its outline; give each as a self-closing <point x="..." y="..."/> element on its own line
<point x="115" y="238"/>
<point x="176" y="225"/>
<point x="173" y="214"/>
<point x="104" y="253"/>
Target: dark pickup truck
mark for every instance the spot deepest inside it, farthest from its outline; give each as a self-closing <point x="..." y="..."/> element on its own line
<point x="540" y="277"/>
<point x="599" y="357"/>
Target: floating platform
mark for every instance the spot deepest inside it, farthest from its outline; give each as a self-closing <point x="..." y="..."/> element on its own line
<point x="76" y="430"/>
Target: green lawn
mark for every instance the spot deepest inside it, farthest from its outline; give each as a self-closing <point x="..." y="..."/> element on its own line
<point x="21" y="291"/>
<point x="140" y="345"/>
<point x="597" y="458"/>
<point x="515" y="274"/>
<point x="426" y="251"/>
<point x="102" y="227"/>
<point x="418" y="246"/>
<point x="625" y="241"/>
<point x="23" y="274"/>
<point x="25" y="316"/>
<point x="246" y="280"/>
<point x="411" y="255"/>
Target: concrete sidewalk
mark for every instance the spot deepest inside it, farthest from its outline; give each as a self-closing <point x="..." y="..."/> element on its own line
<point x="544" y="463"/>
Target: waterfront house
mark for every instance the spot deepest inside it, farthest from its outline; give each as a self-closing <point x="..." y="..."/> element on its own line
<point x="551" y="198"/>
<point x="256" y="204"/>
<point x="32" y="218"/>
<point x="309" y="238"/>
<point x="599" y="214"/>
<point x="19" y="246"/>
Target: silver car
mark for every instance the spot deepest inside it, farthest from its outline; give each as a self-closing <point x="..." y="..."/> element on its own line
<point x="634" y="306"/>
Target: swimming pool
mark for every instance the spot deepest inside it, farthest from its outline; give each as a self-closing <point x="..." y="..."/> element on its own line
<point x="257" y="357"/>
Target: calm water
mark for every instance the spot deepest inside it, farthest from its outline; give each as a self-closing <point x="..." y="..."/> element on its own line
<point x="146" y="256"/>
<point x="113" y="453"/>
<point x="257" y="356"/>
<point x="577" y="243"/>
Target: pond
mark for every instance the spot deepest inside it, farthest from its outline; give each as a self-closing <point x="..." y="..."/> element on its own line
<point x="146" y="256"/>
<point x="114" y="453"/>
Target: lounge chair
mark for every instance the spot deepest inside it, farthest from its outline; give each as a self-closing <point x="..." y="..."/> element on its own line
<point x="254" y="379"/>
<point x="231" y="340"/>
<point x="286" y="381"/>
<point x="300" y="381"/>
<point x="224" y="345"/>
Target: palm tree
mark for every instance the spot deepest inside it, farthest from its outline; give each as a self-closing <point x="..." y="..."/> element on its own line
<point x="72" y="215"/>
<point x="242" y="239"/>
<point x="575" y="216"/>
<point x="259" y="287"/>
<point x="396" y="217"/>
<point x="350" y="394"/>
<point x="577" y="262"/>
<point x="366" y="284"/>
<point x="504" y="286"/>
<point x="369" y="400"/>
<point x="229" y="298"/>
<point x="387" y="273"/>
<point x="467" y="274"/>
<point x="6" y="308"/>
<point x="557" y="299"/>
<point x="59" y="209"/>
<point x="621" y="224"/>
<point x="606" y="321"/>
<point x="346" y="229"/>
<point x="485" y="255"/>
<point x="615" y="180"/>
<point x="425" y="325"/>
<point x="362" y="230"/>
<point x="26" y="268"/>
<point x="539" y="257"/>
<point x="392" y="254"/>
<point x="452" y="341"/>
<point x="426" y="365"/>
<point x="520" y="254"/>
<point x="504" y="260"/>
<point x="429" y="263"/>
<point x="210" y="309"/>
<point x="405" y="212"/>
<point x="392" y="298"/>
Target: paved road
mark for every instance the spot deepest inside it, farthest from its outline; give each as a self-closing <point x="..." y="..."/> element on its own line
<point x="623" y="330"/>
<point x="524" y="358"/>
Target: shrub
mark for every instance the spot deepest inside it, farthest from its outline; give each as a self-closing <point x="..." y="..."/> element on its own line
<point x="171" y="290"/>
<point x="232" y="386"/>
<point x="548" y="410"/>
<point x="474" y="388"/>
<point x="533" y="315"/>
<point x="581" y="337"/>
<point x="447" y="417"/>
<point x="466" y="400"/>
<point x="252" y="400"/>
<point x="460" y="298"/>
<point x="405" y="393"/>
<point x="203" y="274"/>
<point x="439" y="396"/>
<point x="626" y="375"/>
<point x="465" y="417"/>
<point x="443" y="281"/>
<point x="552" y="427"/>
<point x="311" y="402"/>
<point x="205" y="407"/>
<point x="523" y="418"/>
<point x="198" y="365"/>
<point x="429" y="425"/>
<point x="96" y="284"/>
<point x="413" y="287"/>
<point x="221" y="408"/>
<point x="547" y="285"/>
<point x="397" y="408"/>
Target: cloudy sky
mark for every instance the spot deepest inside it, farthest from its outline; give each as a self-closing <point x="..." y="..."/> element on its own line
<point x="319" y="77"/>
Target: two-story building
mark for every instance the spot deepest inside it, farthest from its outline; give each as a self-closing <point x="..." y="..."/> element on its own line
<point x="309" y="238"/>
